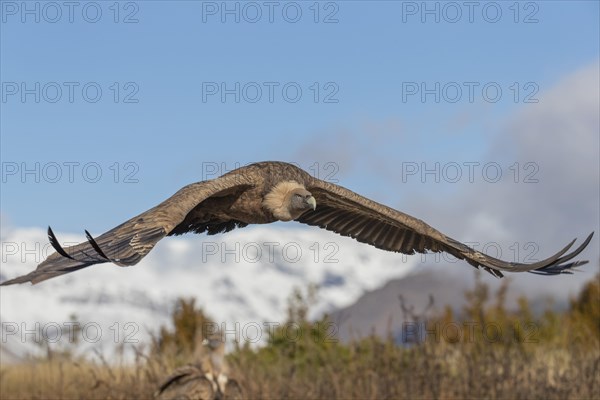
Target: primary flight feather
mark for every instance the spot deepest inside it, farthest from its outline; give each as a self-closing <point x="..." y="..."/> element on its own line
<point x="266" y="192"/>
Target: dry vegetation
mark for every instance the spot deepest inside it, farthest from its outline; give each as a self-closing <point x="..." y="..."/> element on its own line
<point x="552" y="356"/>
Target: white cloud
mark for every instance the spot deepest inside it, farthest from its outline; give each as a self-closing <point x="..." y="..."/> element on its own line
<point x="560" y="135"/>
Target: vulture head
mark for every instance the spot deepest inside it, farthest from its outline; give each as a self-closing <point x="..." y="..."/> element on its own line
<point x="213" y="343"/>
<point x="288" y="200"/>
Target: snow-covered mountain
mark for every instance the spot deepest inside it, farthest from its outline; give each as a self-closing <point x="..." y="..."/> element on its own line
<point x="242" y="280"/>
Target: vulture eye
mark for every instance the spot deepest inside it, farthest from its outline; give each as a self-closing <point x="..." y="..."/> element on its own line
<point x="297" y="195"/>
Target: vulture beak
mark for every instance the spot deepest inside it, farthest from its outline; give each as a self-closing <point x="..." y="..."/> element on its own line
<point x="311" y="202"/>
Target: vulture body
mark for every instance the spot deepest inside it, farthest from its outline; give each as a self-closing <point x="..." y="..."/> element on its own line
<point x="186" y="383"/>
<point x="266" y="192"/>
<point x="190" y="383"/>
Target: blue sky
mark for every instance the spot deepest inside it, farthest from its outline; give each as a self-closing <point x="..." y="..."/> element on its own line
<point x="174" y="131"/>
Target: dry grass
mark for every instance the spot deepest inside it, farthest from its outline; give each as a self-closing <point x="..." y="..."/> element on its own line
<point x="561" y="360"/>
<point x="61" y="378"/>
<point x="371" y="369"/>
<point x="378" y="370"/>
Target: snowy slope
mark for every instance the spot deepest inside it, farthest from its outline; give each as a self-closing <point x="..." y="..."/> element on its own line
<point x="241" y="279"/>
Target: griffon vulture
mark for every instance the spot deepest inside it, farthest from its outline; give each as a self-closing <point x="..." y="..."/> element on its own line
<point x="265" y="192"/>
<point x="209" y="367"/>
<point x="211" y="361"/>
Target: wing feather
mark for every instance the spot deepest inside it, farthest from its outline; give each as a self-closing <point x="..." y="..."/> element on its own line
<point x="349" y="214"/>
<point x="129" y="242"/>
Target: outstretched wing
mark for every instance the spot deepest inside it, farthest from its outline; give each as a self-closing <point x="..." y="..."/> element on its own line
<point x="129" y="242"/>
<point x="349" y="214"/>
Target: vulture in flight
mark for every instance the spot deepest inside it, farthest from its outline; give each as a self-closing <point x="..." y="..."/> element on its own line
<point x="266" y="192"/>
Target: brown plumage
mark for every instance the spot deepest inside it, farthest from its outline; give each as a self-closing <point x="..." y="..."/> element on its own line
<point x="266" y="192"/>
<point x="191" y="383"/>
<point x="186" y="383"/>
